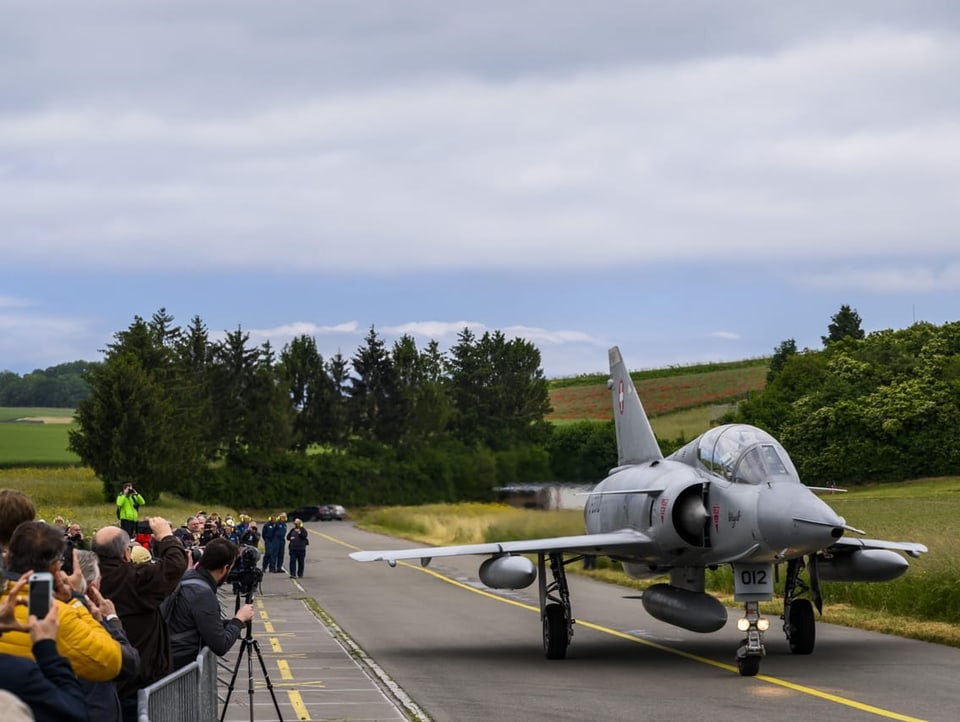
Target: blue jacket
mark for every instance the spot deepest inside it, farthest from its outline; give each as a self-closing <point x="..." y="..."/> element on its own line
<point x="268" y="531"/>
<point x="48" y="686"/>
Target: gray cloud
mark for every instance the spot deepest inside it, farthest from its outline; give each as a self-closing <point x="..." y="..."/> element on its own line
<point x="830" y="140"/>
<point x="912" y="279"/>
<point x="378" y="140"/>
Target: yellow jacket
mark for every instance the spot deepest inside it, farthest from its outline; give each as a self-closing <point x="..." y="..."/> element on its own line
<point x="82" y="640"/>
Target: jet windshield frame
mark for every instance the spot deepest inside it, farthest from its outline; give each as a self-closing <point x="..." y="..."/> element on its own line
<point x="745" y="454"/>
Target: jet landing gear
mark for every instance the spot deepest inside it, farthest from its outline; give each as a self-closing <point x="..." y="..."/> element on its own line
<point x="753" y="583"/>
<point x="751" y="649"/>
<point x="555" y="607"/>
<point x="799" y="624"/>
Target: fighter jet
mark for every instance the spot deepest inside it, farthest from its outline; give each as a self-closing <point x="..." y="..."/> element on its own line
<point x="731" y="496"/>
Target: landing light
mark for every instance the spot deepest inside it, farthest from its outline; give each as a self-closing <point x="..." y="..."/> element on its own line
<point x="763" y="624"/>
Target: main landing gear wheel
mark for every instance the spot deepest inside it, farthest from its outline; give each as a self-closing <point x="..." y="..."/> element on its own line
<point x="555" y="638"/>
<point x="555" y="613"/>
<point x="802" y="627"/>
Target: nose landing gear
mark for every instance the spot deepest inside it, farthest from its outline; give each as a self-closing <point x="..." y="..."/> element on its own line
<point x="751" y="649"/>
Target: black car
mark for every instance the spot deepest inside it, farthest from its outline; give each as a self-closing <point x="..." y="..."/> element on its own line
<point x="310" y="512"/>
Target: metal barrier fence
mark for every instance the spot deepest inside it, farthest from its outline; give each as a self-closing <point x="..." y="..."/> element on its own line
<point x="187" y="695"/>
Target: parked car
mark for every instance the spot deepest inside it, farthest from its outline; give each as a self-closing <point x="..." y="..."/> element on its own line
<point x="336" y="512"/>
<point x="309" y="512"/>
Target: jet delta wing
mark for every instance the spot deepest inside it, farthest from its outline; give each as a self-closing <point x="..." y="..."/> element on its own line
<point x="627" y="541"/>
<point x="732" y="496"/>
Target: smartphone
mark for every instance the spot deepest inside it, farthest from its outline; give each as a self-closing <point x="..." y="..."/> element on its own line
<point x="40" y="594"/>
<point x="66" y="561"/>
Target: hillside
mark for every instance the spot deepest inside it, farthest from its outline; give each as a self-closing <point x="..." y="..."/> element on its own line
<point x="662" y="391"/>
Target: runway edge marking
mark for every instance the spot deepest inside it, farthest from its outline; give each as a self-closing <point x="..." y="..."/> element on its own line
<point x="387" y="686"/>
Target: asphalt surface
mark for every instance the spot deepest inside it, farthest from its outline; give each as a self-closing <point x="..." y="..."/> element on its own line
<point x="354" y="641"/>
<point x="297" y="664"/>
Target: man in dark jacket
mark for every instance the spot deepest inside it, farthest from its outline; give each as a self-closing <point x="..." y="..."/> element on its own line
<point x="193" y="610"/>
<point x="251" y="536"/>
<point x="137" y="590"/>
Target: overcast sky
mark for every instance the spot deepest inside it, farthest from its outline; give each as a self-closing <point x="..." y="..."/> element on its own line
<point x="693" y="181"/>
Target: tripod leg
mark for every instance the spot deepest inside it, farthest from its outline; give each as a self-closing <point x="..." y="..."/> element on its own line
<point x="233" y="677"/>
<point x="266" y="677"/>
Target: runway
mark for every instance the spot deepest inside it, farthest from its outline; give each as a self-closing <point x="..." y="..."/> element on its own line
<point x="462" y="652"/>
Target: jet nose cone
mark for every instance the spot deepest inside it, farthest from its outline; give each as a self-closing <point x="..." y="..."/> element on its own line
<point x="792" y="518"/>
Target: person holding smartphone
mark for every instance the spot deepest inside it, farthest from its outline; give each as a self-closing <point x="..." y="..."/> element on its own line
<point x="92" y="653"/>
<point x="48" y="685"/>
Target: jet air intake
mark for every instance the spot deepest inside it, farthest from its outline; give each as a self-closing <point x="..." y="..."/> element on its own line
<point x="508" y="572"/>
<point x="696" y="611"/>
<point x="690" y="516"/>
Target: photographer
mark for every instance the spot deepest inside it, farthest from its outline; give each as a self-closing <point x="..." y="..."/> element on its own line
<point x="128" y="509"/>
<point x="209" y="533"/>
<point x="250" y="537"/>
<point x="75" y="538"/>
<point x="193" y="610"/>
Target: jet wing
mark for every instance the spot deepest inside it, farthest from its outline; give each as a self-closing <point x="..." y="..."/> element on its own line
<point x="847" y="544"/>
<point x="626" y="541"/>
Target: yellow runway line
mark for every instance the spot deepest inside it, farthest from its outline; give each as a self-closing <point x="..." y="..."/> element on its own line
<point x="299" y="708"/>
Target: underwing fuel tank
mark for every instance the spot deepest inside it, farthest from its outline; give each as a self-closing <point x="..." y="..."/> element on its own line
<point x="865" y="565"/>
<point x="508" y="572"/>
<point x="696" y="611"/>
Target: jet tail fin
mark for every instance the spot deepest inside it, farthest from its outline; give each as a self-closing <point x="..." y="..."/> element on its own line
<point x="636" y="443"/>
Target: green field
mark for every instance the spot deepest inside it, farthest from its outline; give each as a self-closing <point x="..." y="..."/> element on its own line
<point x="34" y="442"/>
<point x="76" y="494"/>
<point x="10" y="413"/>
<point x="661" y="394"/>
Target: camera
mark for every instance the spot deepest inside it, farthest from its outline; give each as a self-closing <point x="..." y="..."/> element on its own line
<point x="143" y="527"/>
<point x="246" y="574"/>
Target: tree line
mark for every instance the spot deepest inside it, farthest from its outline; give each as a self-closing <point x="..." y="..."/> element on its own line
<point x="170" y="409"/>
<point x="61" y="386"/>
<point x="883" y="406"/>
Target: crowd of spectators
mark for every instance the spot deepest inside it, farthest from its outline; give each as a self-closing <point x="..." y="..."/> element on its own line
<point x="128" y="609"/>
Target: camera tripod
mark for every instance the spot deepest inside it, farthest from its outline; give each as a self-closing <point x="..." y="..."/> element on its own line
<point x="248" y="642"/>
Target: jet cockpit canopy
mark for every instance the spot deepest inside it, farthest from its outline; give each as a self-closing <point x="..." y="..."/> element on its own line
<point x="745" y="455"/>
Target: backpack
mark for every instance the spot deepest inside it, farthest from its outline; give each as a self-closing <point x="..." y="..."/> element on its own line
<point x="168" y="606"/>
